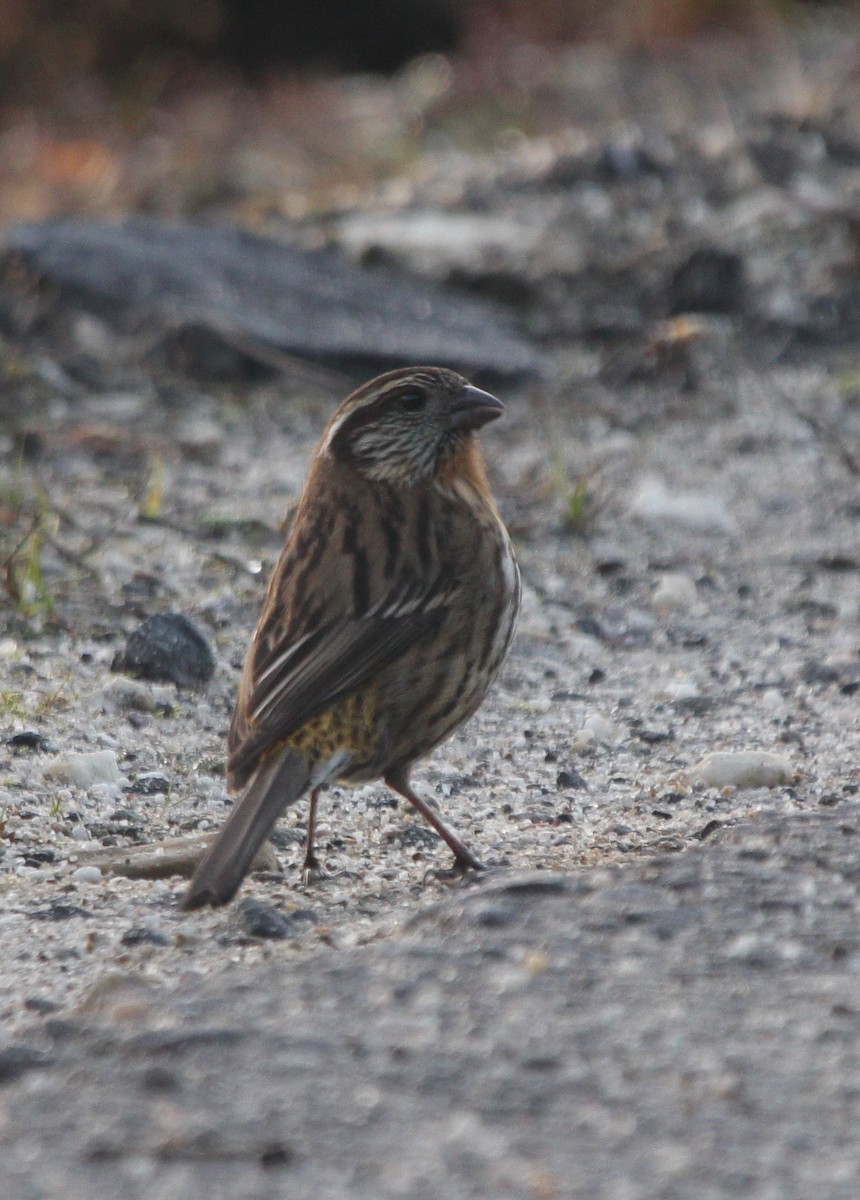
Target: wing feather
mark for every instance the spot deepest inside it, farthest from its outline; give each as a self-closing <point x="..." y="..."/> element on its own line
<point x="295" y="682"/>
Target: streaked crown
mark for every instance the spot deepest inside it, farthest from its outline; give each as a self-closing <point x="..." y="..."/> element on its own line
<point x="404" y="426"/>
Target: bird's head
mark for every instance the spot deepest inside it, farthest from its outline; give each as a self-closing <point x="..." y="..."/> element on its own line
<point x="407" y="426"/>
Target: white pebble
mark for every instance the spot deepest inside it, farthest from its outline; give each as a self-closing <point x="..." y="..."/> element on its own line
<point x="595" y="728"/>
<point x="681" y="689"/>
<point x="128" y="695"/>
<point x="675" y="593"/>
<point x="79" y="833"/>
<point x="602" y="729"/>
<point x="83" y="770"/>
<point x="106" y="793"/>
<point x="581" y="740"/>
<point x="742" y="769"/>
<point x="658" y="505"/>
<point x="87" y="875"/>
<point x="772" y="700"/>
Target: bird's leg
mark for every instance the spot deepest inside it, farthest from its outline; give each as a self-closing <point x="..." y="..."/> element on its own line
<point x="464" y="859"/>
<point x="311" y="869"/>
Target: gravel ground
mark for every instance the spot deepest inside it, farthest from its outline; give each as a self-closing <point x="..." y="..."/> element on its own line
<point x="586" y="751"/>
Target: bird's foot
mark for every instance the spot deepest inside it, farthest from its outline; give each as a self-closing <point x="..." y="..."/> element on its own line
<point x="313" y="871"/>
<point x="465" y="867"/>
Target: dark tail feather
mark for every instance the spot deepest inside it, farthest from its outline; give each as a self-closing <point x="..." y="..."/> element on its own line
<point x="274" y="787"/>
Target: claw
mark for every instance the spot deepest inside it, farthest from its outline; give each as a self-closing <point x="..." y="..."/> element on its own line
<point x="462" y="869"/>
<point x="313" y="871"/>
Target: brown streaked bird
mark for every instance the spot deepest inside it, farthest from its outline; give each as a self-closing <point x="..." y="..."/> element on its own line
<point x="386" y="619"/>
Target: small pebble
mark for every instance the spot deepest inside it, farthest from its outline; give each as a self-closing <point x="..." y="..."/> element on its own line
<point x="129" y="695"/>
<point x="84" y="770"/>
<point x="140" y="935"/>
<point x="106" y="793"/>
<point x="743" y="769"/>
<point x="601" y="729"/>
<point x="675" y="593"/>
<point x="58" y="911"/>
<point x="582" y="740"/>
<point x="681" y="690"/>
<point x="41" y="1005"/>
<point x="149" y="783"/>
<point x="814" y="671"/>
<point x="607" y="557"/>
<point x="87" y="875"/>
<point x="569" y="779"/>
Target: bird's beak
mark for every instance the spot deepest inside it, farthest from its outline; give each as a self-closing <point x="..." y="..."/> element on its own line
<point x="474" y="408"/>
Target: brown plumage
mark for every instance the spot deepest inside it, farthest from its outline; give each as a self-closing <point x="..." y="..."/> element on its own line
<point x="386" y="619"/>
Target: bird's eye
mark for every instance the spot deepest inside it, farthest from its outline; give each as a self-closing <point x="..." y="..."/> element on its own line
<point x="413" y="401"/>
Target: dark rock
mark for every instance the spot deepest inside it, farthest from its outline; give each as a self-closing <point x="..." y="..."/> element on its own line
<point x="287" y="837"/>
<point x="813" y="610"/>
<point x="149" y="784"/>
<point x="414" y="835"/>
<point x="58" y="911"/>
<point x="783" y="146"/>
<point x="710" y="280"/>
<point x="167" y="648"/>
<point x="652" y="736"/>
<point x="262" y="921"/>
<point x="141" y="935"/>
<point x="160" y="1079"/>
<point x="591" y="627"/>
<point x="39" y="858"/>
<point x="818" y="672"/>
<point x="224" y="299"/>
<point x="569" y="779"/>
<point x="41" y="1005"/>
<point x="694" y="704"/>
<point x="29" y="739"/>
<point x="838" y="562"/>
<point x="16" y="1060"/>
<point x="621" y="161"/>
<point x="275" y="1156"/>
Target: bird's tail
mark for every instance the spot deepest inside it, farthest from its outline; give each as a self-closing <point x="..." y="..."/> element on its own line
<point x="278" y="783"/>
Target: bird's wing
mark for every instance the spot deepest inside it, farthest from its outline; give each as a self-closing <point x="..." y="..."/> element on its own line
<point x="298" y="679"/>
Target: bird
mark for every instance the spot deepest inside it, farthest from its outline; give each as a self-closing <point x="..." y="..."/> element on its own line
<point x="386" y="618"/>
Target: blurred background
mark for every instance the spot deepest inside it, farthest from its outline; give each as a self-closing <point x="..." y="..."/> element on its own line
<point x="286" y="106"/>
